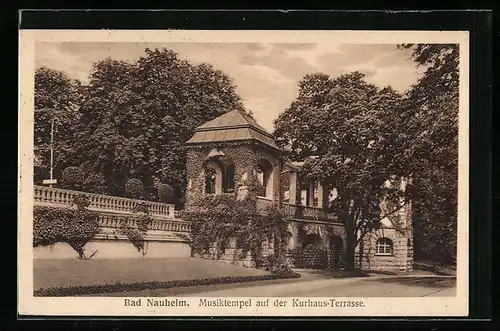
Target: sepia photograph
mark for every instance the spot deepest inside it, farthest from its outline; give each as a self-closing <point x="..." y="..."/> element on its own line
<point x="243" y="172"/>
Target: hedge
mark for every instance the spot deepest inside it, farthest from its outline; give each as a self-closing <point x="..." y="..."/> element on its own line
<point x="129" y="287"/>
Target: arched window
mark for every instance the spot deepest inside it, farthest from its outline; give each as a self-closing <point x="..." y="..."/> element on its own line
<point x="219" y="176"/>
<point x="384" y="246"/>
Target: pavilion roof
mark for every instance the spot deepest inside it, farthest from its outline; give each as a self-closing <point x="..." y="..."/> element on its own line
<point x="232" y="126"/>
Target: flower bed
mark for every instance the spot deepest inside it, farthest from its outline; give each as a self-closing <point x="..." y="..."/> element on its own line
<point x="128" y="287"/>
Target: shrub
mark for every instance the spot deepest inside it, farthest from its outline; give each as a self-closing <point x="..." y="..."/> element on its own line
<point x="134" y="189"/>
<point x="119" y="287"/>
<point x="284" y="271"/>
<point x="165" y="192"/>
<point x="72" y="178"/>
<point x="75" y="227"/>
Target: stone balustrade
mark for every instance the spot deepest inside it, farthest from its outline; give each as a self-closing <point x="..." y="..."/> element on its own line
<point x="175" y="225"/>
<point x="99" y="202"/>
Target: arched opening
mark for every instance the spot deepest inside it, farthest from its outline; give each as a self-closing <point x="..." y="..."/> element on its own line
<point x="384" y="246"/>
<point x="312" y="239"/>
<point x="219" y="175"/>
<point x="265" y="177"/>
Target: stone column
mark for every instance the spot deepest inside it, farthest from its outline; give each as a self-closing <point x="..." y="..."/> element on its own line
<point x="321" y="196"/>
<point x="218" y="180"/>
<point x="293" y="188"/>
<point x="311" y="193"/>
<point x="242" y="191"/>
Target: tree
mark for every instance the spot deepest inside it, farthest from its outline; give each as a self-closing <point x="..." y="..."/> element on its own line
<point x="57" y="99"/>
<point x="434" y="100"/>
<point x="137" y="116"/>
<point x="348" y="131"/>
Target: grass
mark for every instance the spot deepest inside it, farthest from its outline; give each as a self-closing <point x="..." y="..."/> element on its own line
<point x="68" y="273"/>
<point x="443" y="270"/>
<point x="433" y="282"/>
<point x="325" y="274"/>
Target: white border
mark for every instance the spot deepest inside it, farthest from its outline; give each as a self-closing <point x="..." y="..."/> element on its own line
<point x="425" y="306"/>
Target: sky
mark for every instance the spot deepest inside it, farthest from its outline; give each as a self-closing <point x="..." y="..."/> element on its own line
<point x="265" y="75"/>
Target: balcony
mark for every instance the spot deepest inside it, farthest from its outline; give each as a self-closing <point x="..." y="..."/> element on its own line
<point x="297" y="211"/>
<point x="307" y="212"/>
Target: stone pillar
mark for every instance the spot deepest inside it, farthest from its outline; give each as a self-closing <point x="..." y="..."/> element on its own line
<point x="293" y="188"/>
<point x="321" y="196"/>
<point x="311" y="192"/>
<point x="218" y="180"/>
<point x="242" y="191"/>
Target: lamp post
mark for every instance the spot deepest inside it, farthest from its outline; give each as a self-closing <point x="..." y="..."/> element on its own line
<point x="51" y="181"/>
<point x="52" y="149"/>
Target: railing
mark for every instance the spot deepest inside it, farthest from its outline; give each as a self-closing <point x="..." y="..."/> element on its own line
<point x="98" y="202"/>
<point x="114" y="222"/>
<point x="307" y="212"/>
<point x="297" y="211"/>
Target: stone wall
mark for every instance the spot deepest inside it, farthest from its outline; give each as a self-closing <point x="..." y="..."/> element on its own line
<point x="401" y="258"/>
<point x="114" y="249"/>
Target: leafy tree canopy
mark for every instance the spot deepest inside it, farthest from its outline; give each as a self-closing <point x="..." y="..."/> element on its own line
<point x="434" y="100"/>
<point x="349" y="132"/>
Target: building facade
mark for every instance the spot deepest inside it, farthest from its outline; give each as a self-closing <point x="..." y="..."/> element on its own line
<point x="226" y="154"/>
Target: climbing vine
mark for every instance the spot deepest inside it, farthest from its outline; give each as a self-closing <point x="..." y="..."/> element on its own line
<point x="218" y="220"/>
<point x="76" y="227"/>
<point x="136" y="228"/>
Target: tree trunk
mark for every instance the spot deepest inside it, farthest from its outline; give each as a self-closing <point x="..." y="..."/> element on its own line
<point x="350" y="250"/>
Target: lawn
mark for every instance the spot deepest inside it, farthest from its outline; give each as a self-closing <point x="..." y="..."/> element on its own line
<point x="441" y="269"/>
<point x="75" y="272"/>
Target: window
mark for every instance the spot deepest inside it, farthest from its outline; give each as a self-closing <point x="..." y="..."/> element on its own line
<point x="384" y="246"/>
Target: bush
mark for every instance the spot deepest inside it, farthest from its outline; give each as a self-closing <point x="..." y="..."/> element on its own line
<point x="134" y="189"/>
<point x="119" y="287"/>
<point x="72" y="178"/>
<point x="75" y="227"/>
<point x="165" y="192"/>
